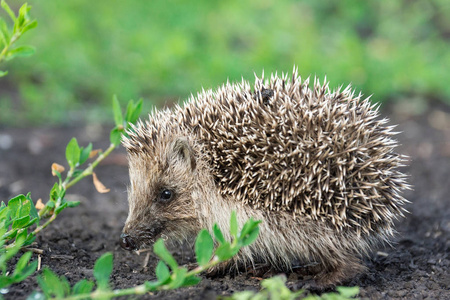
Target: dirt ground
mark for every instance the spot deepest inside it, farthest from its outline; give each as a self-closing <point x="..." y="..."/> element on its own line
<point x="416" y="267"/>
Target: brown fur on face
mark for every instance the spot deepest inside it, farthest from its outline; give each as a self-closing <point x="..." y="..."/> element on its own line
<point x="317" y="167"/>
<point x="150" y="217"/>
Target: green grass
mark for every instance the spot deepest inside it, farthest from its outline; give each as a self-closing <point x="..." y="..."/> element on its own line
<point x="165" y="50"/>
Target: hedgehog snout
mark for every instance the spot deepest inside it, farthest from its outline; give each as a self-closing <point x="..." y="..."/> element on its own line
<point x="127" y="242"/>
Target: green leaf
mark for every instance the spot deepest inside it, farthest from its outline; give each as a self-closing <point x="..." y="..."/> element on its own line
<point x="152" y="285"/>
<point x="348" y="292"/>
<point x="162" y="272"/>
<point x="33" y="210"/>
<point x="21" y="51"/>
<point x="20" y="222"/>
<point x="10" y="234"/>
<point x="22" y="235"/>
<point x="246" y="295"/>
<point x="8" y="10"/>
<point x="5" y="213"/>
<point x="83" y="287"/>
<point x="248" y="227"/>
<point x="73" y="153"/>
<point x="129" y="111"/>
<point x="274" y="282"/>
<point x="225" y="251"/>
<point x="54" y="193"/>
<point x="118" y="118"/>
<point x="24" y="209"/>
<point x="61" y="193"/>
<point x="204" y="246"/>
<point x="103" y="269"/>
<point x="115" y="136"/>
<point x="5" y="281"/>
<point x="50" y="284"/>
<point x="14" y="205"/>
<point x="23" y="15"/>
<point x="218" y="234"/>
<point x="4" y="33"/>
<point x="160" y="249"/>
<point x="30" y="239"/>
<point x="31" y="222"/>
<point x="85" y="153"/>
<point x="191" y="280"/>
<point x="66" y="285"/>
<point x="233" y="225"/>
<point x="249" y="232"/>
<point x="134" y="116"/>
<point x="3" y="230"/>
<point x="26" y="272"/>
<point x="61" y="207"/>
<point x="250" y="238"/>
<point x="3" y="73"/>
<point x="178" y="277"/>
<point x="73" y="203"/>
<point x="29" y="26"/>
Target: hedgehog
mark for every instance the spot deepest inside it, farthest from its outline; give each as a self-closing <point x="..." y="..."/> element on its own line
<point x="317" y="167"/>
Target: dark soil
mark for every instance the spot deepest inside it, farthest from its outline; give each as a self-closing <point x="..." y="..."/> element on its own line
<point x="416" y="267"/>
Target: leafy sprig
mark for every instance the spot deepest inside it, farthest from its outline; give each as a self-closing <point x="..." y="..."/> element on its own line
<point x="8" y="36"/>
<point x="18" y="217"/>
<point x="275" y="288"/>
<point x="169" y="275"/>
<point x="76" y="156"/>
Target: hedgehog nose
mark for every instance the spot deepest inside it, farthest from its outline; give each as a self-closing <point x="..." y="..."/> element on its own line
<point x="127" y="243"/>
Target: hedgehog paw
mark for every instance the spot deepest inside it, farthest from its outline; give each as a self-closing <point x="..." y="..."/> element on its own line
<point x="337" y="274"/>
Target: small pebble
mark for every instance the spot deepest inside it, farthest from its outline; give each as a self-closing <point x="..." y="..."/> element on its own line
<point x="6" y="141"/>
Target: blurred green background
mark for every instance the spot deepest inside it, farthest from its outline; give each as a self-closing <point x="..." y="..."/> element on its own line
<point x="163" y="51"/>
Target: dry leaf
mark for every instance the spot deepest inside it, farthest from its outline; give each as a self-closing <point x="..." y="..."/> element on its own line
<point x="98" y="185"/>
<point x="57" y="167"/>
<point x="94" y="153"/>
<point x="39" y="204"/>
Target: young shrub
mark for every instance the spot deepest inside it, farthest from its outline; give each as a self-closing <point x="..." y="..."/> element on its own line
<point x="169" y="275"/>
<point x="20" y="216"/>
<point x="9" y="36"/>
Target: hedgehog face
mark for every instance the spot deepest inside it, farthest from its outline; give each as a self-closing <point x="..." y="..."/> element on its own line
<point x="160" y="201"/>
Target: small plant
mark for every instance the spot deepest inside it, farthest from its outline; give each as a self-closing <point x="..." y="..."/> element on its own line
<point x="169" y="275"/>
<point x="14" y="221"/>
<point x="20" y="215"/>
<point x="22" y="23"/>
<point x="275" y="289"/>
<point x="77" y="156"/>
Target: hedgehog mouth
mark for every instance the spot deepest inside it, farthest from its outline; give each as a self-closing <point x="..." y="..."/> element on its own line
<point x="141" y="238"/>
<point x="149" y="236"/>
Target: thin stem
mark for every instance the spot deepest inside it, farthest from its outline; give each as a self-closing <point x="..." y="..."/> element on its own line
<point x="139" y="289"/>
<point x="14" y="38"/>
<point x="214" y="261"/>
<point x="36" y="231"/>
<point x="68" y="183"/>
<point x="88" y="171"/>
<point x="39" y="228"/>
<point x="100" y="294"/>
<point x="68" y="178"/>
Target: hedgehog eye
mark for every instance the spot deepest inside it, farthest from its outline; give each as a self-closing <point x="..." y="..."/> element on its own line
<point x="166" y="195"/>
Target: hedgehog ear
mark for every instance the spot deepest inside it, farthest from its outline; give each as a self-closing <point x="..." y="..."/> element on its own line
<point x="182" y="152"/>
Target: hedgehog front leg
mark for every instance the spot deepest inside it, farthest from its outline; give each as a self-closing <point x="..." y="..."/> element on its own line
<point x="338" y="269"/>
